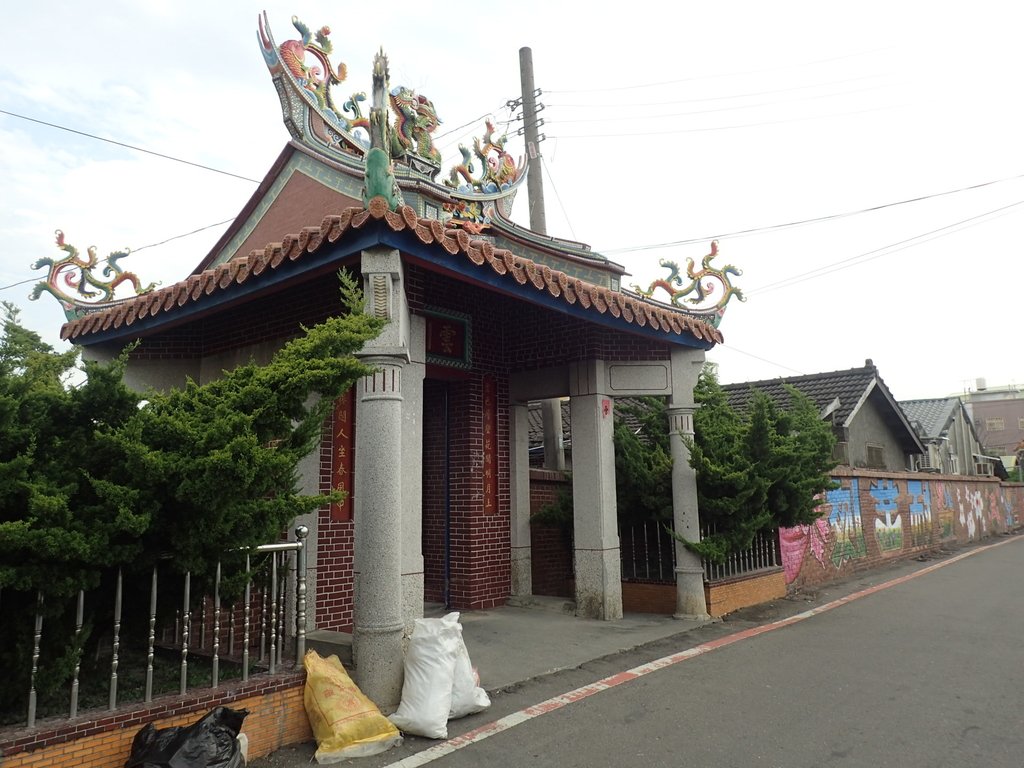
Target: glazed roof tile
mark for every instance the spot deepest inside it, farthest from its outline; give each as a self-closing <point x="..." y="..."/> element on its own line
<point x="836" y="393"/>
<point x="931" y="417"/>
<point x="628" y="307"/>
<point x="848" y="386"/>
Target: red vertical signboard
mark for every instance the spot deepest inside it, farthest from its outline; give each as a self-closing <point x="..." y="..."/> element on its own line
<point x="490" y="420"/>
<point x="342" y="454"/>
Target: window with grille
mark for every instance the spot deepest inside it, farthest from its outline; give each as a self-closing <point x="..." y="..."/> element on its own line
<point x="994" y="425"/>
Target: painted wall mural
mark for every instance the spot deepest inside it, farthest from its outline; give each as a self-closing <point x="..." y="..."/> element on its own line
<point x="796" y="542"/>
<point x="972" y="518"/>
<point x="889" y="526"/>
<point x="906" y="515"/>
<point x="920" y="512"/>
<point x="845" y="523"/>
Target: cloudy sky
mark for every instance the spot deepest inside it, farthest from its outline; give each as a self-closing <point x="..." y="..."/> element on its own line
<point x="862" y="163"/>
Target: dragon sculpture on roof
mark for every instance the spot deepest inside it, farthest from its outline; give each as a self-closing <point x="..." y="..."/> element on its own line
<point x="304" y="76"/>
<point x="700" y="288"/>
<point x="73" y="281"/>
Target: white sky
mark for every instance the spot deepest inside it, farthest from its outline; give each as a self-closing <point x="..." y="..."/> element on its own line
<point x="662" y="126"/>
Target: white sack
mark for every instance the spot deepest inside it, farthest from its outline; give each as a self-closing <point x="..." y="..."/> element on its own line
<point x="467" y="697"/>
<point x="429" y="671"/>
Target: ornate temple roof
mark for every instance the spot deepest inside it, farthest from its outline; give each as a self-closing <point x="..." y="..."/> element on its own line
<point x="522" y="276"/>
<point x="385" y="158"/>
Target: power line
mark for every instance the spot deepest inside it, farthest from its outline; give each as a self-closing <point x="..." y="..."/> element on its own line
<point x="634" y="118"/>
<point x="186" y="234"/>
<point x="558" y="197"/>
<point x="128" y="146"/>
<point x="802" y="222"/>
<point x="885" y="250"/>
<point x="758" y="357"/>
<point x="716" y="98"/>
<point x="719" y="127"/>
<point x="475" y="120"/>
<point x="713" y="77"/>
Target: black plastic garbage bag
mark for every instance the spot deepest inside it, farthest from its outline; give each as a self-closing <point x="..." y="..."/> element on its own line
<point x="210" y="742"/>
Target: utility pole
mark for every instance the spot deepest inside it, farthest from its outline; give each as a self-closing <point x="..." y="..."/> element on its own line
<point x="534" y="181"/>
<point x="551" y="410"/>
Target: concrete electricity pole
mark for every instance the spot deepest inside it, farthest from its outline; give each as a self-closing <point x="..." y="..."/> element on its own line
<point x="551" y="410"/>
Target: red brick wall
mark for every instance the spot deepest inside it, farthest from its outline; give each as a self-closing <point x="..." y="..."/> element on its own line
<point x="877" y="517"/>
<point x="433" y="490"/>
<point x="273" y="317"/>
<point x="648" y="597"/>
<point x="507" y="335"/>
<point x="724" y="597"/>
<point x="335" y="551"/>
<point x="103" y="740"/>
<point x="551" y="546"/>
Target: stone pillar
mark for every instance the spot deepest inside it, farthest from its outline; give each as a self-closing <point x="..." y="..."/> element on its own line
<point x="379" y="622"/>
<point x="412" y="481"/>
<point x="690" y="602"/>
<point x="519" y="482"/>
<point x="595" y="523"/>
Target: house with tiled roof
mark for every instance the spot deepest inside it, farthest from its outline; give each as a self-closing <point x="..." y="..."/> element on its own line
<point x="950" y="440"/>
<point x="871" y="430"/>
<point x="483" y="317"/>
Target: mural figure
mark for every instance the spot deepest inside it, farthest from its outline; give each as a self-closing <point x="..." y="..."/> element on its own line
<point x="845" y="522"/>
<point x="1007" y="509"/>
<point x="795" y="542"/>
<point x="946" y="512"/>
<point x="888" y="532"/>
<point x="920" y="513"/>
<point x="971" y="506"/>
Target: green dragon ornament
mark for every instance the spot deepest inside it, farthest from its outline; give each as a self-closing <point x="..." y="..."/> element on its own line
<point x="73" y="282"/>
<point x="701" y="290"/>
<point x="379" y="176"/>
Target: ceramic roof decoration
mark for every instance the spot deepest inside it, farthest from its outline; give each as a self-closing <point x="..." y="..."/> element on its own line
<point x="73" y="281"/>
<point x="461" y="253"/>
<point x="357" y="175"/>
<point x="379" y="177"/>
<point x="697" y="292"/>
<point x="304" y="77"/>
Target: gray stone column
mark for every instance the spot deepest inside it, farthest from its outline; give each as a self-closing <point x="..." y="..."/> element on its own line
<point x="595" y="522"/>
<point x="519" y="482"/>
<point x="690" y="602"/>
<point x="379" y="622"/>
<point x="412" y="480"/>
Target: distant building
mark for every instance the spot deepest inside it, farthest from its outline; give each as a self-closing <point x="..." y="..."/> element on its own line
<point x="951" y="443"/>
<point x="871" y="429"/>
<point x="998" y="417"/>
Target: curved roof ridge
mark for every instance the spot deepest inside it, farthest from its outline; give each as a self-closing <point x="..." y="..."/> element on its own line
<point x="310" y="239"/>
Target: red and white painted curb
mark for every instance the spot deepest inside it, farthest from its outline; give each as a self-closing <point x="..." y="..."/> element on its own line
<point x="558" y="702"/>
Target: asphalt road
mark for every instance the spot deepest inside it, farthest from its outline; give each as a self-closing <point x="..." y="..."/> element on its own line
<point x="927" y="671"/>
